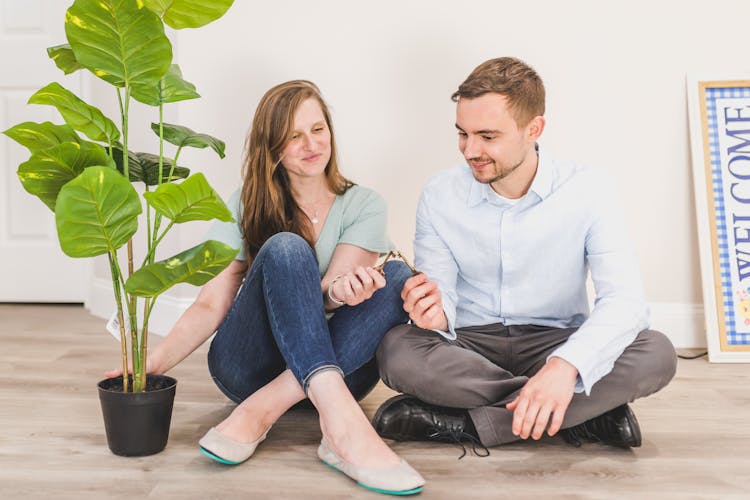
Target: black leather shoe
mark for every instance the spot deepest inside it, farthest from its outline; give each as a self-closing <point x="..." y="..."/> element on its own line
<point x="617" y="427"/>
<point x="405" y="418"/>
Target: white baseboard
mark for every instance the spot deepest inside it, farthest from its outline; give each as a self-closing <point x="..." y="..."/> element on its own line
<point x="168" y="309"/>
<point x="684" y="324"/>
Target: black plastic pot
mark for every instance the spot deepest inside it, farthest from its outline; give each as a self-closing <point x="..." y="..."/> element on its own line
<point x="137" y="424"/>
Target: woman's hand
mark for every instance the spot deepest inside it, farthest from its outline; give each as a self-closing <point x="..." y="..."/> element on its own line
<point x="356" y="286"/>
<point x="151" y="367"/>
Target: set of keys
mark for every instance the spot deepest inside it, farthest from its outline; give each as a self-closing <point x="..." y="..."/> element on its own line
<point x="395" y="255"/>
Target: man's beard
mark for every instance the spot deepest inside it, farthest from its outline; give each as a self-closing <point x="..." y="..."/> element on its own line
<point x="502" y="175"/>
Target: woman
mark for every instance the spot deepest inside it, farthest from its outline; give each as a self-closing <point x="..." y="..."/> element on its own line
<point x="309" y="241"/>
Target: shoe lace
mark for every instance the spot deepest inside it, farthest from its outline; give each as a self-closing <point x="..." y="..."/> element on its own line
<point x="457" y="435"/>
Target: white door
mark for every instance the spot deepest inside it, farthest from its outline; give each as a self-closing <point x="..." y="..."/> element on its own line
<point x="32" y="266"/>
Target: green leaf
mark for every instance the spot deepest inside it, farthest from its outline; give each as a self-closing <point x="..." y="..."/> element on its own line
<point x="120" y="41"/>
<point x="183" y="136"/>
<point x="77" y="114"/>
<point x="64" y="58"/>
<point x="39" y="136"/>
<point x="189" y="13"/>
<point x="159" y="7"/>
<point x="48" y="170"/>
<point x="193" y="199"/>
<point x="144" y="167"/>
<point x="195" y="266"/>
<point x="171" y="88"/>
<point x="97" y="212"/>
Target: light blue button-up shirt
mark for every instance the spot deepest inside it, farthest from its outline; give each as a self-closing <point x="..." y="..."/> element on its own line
<point x="526" y="261"/>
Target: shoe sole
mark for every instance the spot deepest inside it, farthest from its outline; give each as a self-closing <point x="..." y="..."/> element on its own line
<point x="634" y="426"/>
<point x="379" y="413"/>
<point x="217" y="458"/>
<point x="413" y="491"/>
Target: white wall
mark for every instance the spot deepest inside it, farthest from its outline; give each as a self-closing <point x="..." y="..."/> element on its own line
<point x="615" y="76"/>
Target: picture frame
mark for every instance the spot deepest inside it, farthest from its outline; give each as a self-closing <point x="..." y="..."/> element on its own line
<point x="719" y="118"/>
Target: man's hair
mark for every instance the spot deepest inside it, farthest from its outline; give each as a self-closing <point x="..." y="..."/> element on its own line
<point x="512" y="78"/>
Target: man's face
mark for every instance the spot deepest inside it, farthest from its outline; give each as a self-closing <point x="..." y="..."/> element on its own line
<point x="490" y="140"/>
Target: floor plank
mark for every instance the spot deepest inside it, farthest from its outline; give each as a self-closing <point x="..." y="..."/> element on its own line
<point x="52" y="443"/>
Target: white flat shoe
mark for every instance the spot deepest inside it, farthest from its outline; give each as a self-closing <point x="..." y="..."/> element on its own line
<point x="399" y="480"/>
<point x="217" y="446"/>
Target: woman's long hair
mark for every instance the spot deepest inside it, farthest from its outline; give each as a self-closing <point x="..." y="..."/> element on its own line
<point x="268" y="206"/>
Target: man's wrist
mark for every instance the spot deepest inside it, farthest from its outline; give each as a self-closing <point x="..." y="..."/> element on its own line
<point x="443" y="324"/>
<point x="561" y="364"/>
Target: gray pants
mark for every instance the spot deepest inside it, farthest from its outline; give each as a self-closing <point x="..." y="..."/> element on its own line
<point x="486" y="367"/>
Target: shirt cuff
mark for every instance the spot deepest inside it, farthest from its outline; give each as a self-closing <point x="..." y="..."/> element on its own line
<point x="586" y="379"/>
<point x="450" y="316"/>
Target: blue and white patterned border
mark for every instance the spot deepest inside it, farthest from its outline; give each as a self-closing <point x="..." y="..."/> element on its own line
<point x="712" y="94"/>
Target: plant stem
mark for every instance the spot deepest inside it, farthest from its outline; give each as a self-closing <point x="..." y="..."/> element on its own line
<point x="157" y="217"/>
<point x="150" y="257"/>
<point x="131" y="299"/>
<point x="149" y="241"/>
<point x="174" y="162"/>
<point x="161" y="141"/>
<point x="134" y="339"/>
<point x="150" y="303"/>
<point x="144" y="344"/>
<point x="115" y="274"/>
<point x="151" y="245"/>
<point x="124" y="116"/>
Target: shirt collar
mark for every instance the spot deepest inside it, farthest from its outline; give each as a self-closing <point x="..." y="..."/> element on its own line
<point x="478" y="192"/>
<point x="541" y="185"/>
<point x="544" y="177"/>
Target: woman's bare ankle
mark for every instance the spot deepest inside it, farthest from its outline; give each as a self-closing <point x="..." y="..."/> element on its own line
<point x="345" y="426"/>
<point x="357" y="442"/>
<point x="244" y="425"/>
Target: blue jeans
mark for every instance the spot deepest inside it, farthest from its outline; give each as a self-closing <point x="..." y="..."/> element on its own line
<point x="277" y="321"/>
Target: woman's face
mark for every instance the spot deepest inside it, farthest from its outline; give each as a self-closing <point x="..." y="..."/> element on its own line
<point x="309" y="149"/>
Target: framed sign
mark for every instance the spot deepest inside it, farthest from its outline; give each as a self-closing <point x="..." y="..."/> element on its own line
<point x="719" y="112"/>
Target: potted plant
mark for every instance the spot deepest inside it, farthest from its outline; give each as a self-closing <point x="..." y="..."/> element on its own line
<point x="89" y="185"/>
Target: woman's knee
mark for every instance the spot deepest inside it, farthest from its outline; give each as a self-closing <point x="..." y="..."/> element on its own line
<point x="286" y="249"/>
<point x="285" y="242"/>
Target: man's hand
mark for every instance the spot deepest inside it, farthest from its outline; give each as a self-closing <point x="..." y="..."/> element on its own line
<point x="546" y="394"/>
<point x="423" y="302"/>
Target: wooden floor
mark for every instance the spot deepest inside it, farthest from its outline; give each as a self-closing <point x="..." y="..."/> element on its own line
<point x="52" y="445"/>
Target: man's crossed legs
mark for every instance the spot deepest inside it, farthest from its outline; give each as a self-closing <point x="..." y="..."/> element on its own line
<point x="486" y="367"/>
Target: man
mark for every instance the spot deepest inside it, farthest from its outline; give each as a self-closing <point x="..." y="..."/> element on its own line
<point x="502" y="346"/>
